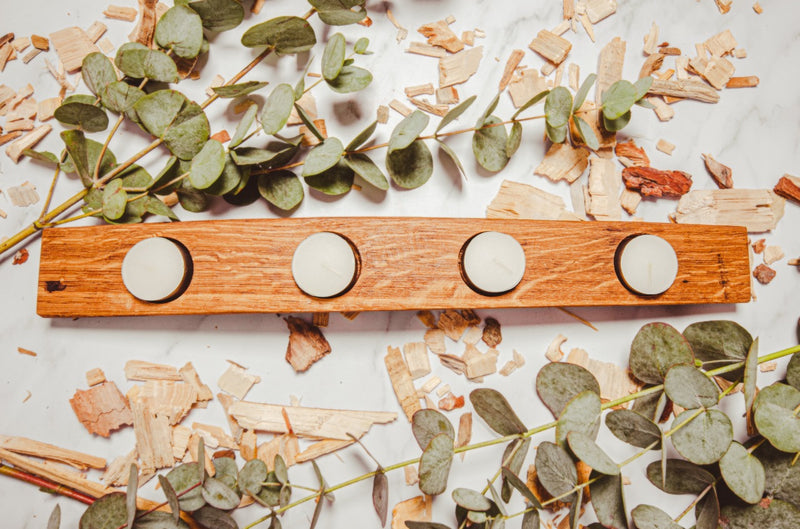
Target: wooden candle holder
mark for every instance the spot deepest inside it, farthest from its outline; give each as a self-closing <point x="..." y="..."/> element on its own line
<point x="244" y="266"/>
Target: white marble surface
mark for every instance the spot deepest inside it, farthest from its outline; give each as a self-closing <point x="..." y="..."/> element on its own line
<point x="754" y="131"/>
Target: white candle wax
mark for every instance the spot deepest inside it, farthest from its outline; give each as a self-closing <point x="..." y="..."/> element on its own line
<point x="324" y="265"/>
<point x="154" y="269"/>
<point x="648" y="265"/>
<point x="493" y="262"/>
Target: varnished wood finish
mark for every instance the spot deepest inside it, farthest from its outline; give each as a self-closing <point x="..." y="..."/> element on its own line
<point x="244" y="266"/>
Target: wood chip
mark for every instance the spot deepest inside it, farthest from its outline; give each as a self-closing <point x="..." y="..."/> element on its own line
<point x="651" y="40"/>
<point x="721" y="173"/>
<point x="227" y="401"/>
<point x="308" y="103"/>
<point x="314" y="423"/>
<point x="236" y="381"/>
<point x="166" y="398"/>
<point x="652" y="182"/>
<point x="609" y="66"/>
<point x="26" y="109"/>
<point x="72" y="45"/>
<point x="759" y="246"/>
<point x="101" y="409"/>
<point x="516" y="200"/>
<point x="189" y="375"/>
<point x="416" y="357"/>
<point x="443" y="390"/>
<point x="630" y="200"/>
<point x="447" y="95"/>
<point x="603" y="190"/>
<point x="615" y="382"/>
<point x="306" y="346"/>
<point x="561" y="28"/>
<point x="454" y="364"/>
<point x="421" y="48"/>
<point x="31" y="447"/>
<point x="28" y="141"/>
<point x="740" y="53"/>
<point x="587" y="26"/>
<point x="665" y="146"/>
<point x="23" y="195"/>
<point x="434" y="339"/>
<point x="574" y="73"/>
<point x="723" y="5"/>
<point x="418" y="90"/>
<point x="411" y="475"/>
<point x="742" y="82"/>
<point x="5" y="55"/>
<point x="40" y="43"/>
<point x="492" y="335"/>
<point x="28" y="352"/>
<point x="756" y="209"/>
<point x="54" y="472"/>
<point x="5" y="138"/>
<point x="418" y="508"/>
<point x="425" y="106"/>
<point x="431" y="384"/>
<point x="554" y="353"/>
<point x="106" y="46"/>
<point x="46" y="108"/>
<point x="472" y="335"/>
<point x="320" y="319"/>
<point x="95" y="376"/>
<point x="773" y="254"/>
<point x="402" y="32"/>
<point x="789" y="187"/>
<point x="399" y="107"/>
<point x="794" y="262"/>
<point x="451" y="402"/>
<point x="180" y="441"/>
<point x="146" y="25"/>
<point x="597" y="10"/>
<point x="216" y="82"/>
<point x="194" y="453"/>
<point x="479" y="364"/>
<point x="720" y="44"/>
<point x="464" y="434"/>
<point x="21" y="43"/>
<point x="21" y="257"/>
<point x="402" y="382"/>
<point x="440" y="34"/>
<point x="524" y="86"/>
<point x="453" y="324"/>
<point x="457" y="68"/>
<point x="563" y="162"/>
<point x="427" y="318"/>
<point x="220" y="437"/>
<point x="141" y="370"/>
<point x="511" y="66"/>
<point x="632" y="154"/>
<point x="321" y="448"/>
<point x="96" y="30"/>
<point x="718" y="72"/>
<point x="550" y="46"/>
<point x="118" y="471"/>
<point x="662" y="109"/>
<point x="128" y="14"/>
<point x="689" y="89"/>
<point x="382" y="114"/>
<point x="764" y="274"/>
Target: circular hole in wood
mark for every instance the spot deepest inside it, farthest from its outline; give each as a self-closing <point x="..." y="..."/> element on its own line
<point x="646" y="264"/>
<point x="492" y="263"/>
<point x="325" y="265"/>
<point x="157" y="269"/>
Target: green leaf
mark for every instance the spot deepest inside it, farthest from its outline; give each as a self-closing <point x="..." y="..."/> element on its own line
<point x="682" y="477"/>
<point x="361" y="45"/>
<point x="82" y="154"/>
<point x="41" y="156"/>
<point x="434" y="465"/>
<point x="704" y="439"/>
<point x="718" y="343"/>
<point x="634" y="429"/>
<point x="530" y="520"/>
<point x="219" y="15"/>
<point x="493" y="408"/>
<point x="277" y="108"/>
<point x="211" y="518"/>
<point x="362" y="137"/>
<point x="655" y="349"/>
<point x="614" y="125"/>
<point x="513" y="458"/>
<point x="743" y="473"/>
<point x="180" y="29"/>
<point x="270" y="495"/>
<point x="775" y="514"/>
<point x="427" y="424"/>
<point x="106" y="512"/>
<point x="641" y="86"/>
<point x="488" y="111"/>
<point x="453" y="156"/>
<point x="581" y="414"/>
<point x="793" y="371"/>
<point x="282" y="189"/>
<point x="191" y="199"/>
<point x="219" y="495"/>
<point x="323" y="156"/>
<point x="159" y="109"/>
<point x="252" y="475"/>
<point x="775" y="417"/>
<point x="287" y="34"/>
<point x="454" y="113"/>
<point x="240" y="89"/>
<point x="350" y="79"/>
<point x="690" y="388"/>
<point x="254" y="156"/>
<point x="339" y="12"/>
<point x="308" y="122"/>
<point x="137" y="61"/>
<point x="159" y="520"/>
<point x="121" y="97"/>
<point x="585" y="449"/>
<point x="207" y="165"/>
<point x="54" y="522"/>
<point x="337" y="180"/>
<point x="557" y="107"/>
<point x="489" y="144"/>
<point x="556" y="134"/>
<point x="172" y="498"/>
<point x="114" y="199"/>
<point x="782" y="473"/>
<point x="530" y="102"/>
<point x="97" y="72"/>
<point x="583" y="91"/>
<point x="586" y="133"/>
<point x="514" y="139"/>
<point x="410" y="167"/>
<point x="364" y="167"/>
<point x="188" y="132"/>
<point x="618" y="99"/>
<point x="471" y="500"/>
<point x="407" y="131"/>
<point x="81" y="112"/>
<point x="521" y="487"/>
<point x="608" y="500"/>
<point x="706" y="512"/>
<point x="652" y="405"/>
<point x="559" y="382"/>
<point x="155" y="206"/>
<point x="333" y="57"/>
<point x="499" y="503"/>
<point x="243" y="128"/>
<point x="182" y="478"/>
<point x="555" y="469"/>
<point x="649" y="517"/>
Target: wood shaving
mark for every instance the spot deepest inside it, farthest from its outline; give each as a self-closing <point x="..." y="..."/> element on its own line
<point x="434" y="339"/>
<point x="511" y="65"/>
<point x="574" y="73"/>
<point x="101" y="409"/>
<point x="419" y="508"/>
<point x="425" y="106"/>
<point x="416" y="357"/>
<point x="320" y="448"/>
<point x="96" y="30"/>
<point x="689" y="89"/>
<point x="773" y="254"/>
<point x="411" y="475"/>
<point x="95" y="376"/>
<point x="759" y="245"/>
<point x="21" y="257"/>
<point x="402" y="383"/>
<point x="149" y="13"/>
<point x="418" y="90"/>
<point x="609" y="66"/>
<point x="550" y="46"/>
<point x="554" y="353"/>
<point x="453" y="363"/>
<point x="427" y="318"/>
<point x="447" y="95"/>
<point x="789" y="187"/>
<point x="721" y="173"/>
<point x="55" y="472"/>
<point x="525" y="85"/>
<point x="630" y="200"/>
<point x="127" y="14"/>
<point x="72" y="45"/>
<point x="32" y="447"/>
<point x="603" y="190"/>
<point x="651" y="40"/>
<point x="20" y="43"/>
<point x="472" y="335"/>
<point x="382" y="114"/>
<point x="563" y="162"/>
<point x="749" y="81"/>
<point x="597" y="10"/>
<point x="400" y="107"/>
<point x="236" y="381"/>
<point x="306" y="346"/>
<point x="168" y="399"/>
<point x="443" y="390"/>
<point x="631" y="154"/>
<point x="431" y="384"/>
<point x="464" y="434"/>
<point x="28" y="141"/>
<point x="516" y="200"/>
<point x="665" y="146"/>
<point x="440" y="34"/>
<point x="756" y="209"/>
<point x="402" y="32"/>
<point x="720" y="44"/>
<point x="22" y="195"/>
<point x="457" y="68"/>
<point x="46" y="108"/>
<point x="451" y="402"/>
<point x="144" y="371"/>
<point x="421" y="48"/>
<point x="189" y="375"/>
<point x="663" y="111"/>
<point x="453" y="324"/>
<point x="180" y="441"/>
<point x="118" y="471"/>
<point x="768" y="367"/>
<point x="214" y="436"/>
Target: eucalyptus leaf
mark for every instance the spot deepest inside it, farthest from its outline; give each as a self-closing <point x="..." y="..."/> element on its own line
<point x="219" y="15"/>
<point x="634" y="429"/>
<point x="651" y="405"/>
<point x="521" y="487"/>
<point x="452" y="155"/>
<point x="97" y="72"/>
<point x="775" y="514"/>
<point x="585" y="449"/>
<point x="434" y="465"/>
<point x="207" y="165"/>
<point x="782" y="473"/>
<point x="618" y="99"/>
<point x="558" y="107"/>
<point x="427" y="424"/>
<point x="277" y="108"/>
<point x="270" y="494"/>
<point x="230" y="178"/>
<point x="556" y="134"/>
<point x="704" y="439"/>
<point x="211" y="518"/>
<point x="350" y="79"/>
<point x="454" y="113"/>
<point x="41" y="156"/>
<point x="649" y="517"/>
<point x="493" y="408"/>
<point x="161" y="184"/>
<point x="323" y="156"/>
<point x="530" y="520"/>
<point x="380" y="495"/>
<point x="644" y="103"/>
<point x="364" y="167"/>
<point x="743" y="473"/>
<point x="240" y="89"/>
<point x="775" y="416"/>
<point x="159" y="520"/>
<point x="308" y="122"/>
<point x="244" y="156"/>
<point x="121" y="97"/>
<point x="155" y="206"/>
<point x="339" y="12"/>
<point x="243" y="128"/>
<point x="489" y="144"/>
<point x="182" y="478"/>
<point x="690" y="388"/>
<point x="407" y="131"/>
<point x="514" y="139"/>
<point x="157" y="66"/>
<point x="191" y="199"/>
<point x="581" y="414"/>
<point x="718" y="343"/>
<point x="655" y="349"/>
<point x="333" y="57"/>
<point x="337" y="180"/>
<point x="82" y="155"/>
<point x="362" y="137"/>
<point x="219" y="495"/>
<point x="707" y="511"/>
<point x="84" y="115"/>
<point x="488" y="111"/>
<point x="172" y="498"/>
<point x="530" y="102"/>
<point x="252" y="475"/>
<point x="513" y="458"/>
<point x="107" y="512"/>
<point x="188" y="132"/>
<point x="555" y="469"/>
<point x="245" y="193"/>
<point x="608" y="500"/>
<point x="575" y="510"/>
<point x="130" y="59"/>
<point x="583" y="91"/>
<point x="586" y="133"/>
<point x="410" y="167"/>
<point x="614" y="125"/>
<point x="54" y="522"/>
<point x="180" y="29"/>
<point x="114" y="199"/>
<point x="361" y="45"/>
<point x="282" y="189"/>
<point x="159" y="109"/>
<point x="641" y="86"/>
<point x="793" y="371"/>
<point x="287" y="34"/>
<point x="471" y="500"/>
<point x="682" y="477"/>
<point x="559" y="382"/>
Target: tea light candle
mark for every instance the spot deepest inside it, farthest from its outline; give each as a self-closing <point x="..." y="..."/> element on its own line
<point x="324" y="265"/>
<point x="154" y="269"/>
<point x="493" y="262"/>
<point x="647" y="265"/>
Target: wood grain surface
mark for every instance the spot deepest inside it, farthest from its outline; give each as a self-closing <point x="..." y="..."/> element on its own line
<point x="244" y="266"/>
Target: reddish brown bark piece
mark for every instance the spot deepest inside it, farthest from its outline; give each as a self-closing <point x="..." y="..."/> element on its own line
<point x="651" y="182"/>
<point x="102" y="409"/>
<point x="764" y="274"/>
<point x="721" y="173"/>
<point x="492" y="335"/>
<point x="789" y="187"/>
<point x="306" y="344"/>
<point x="759" y="245"/>
<point x="632" y="152"/>
<point x="440" y="34"/>
<point x="20" y="257"/>
<point x="451" y="402"/>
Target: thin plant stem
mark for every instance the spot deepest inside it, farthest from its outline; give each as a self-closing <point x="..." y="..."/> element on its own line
<point x="696" y="501"/>
<point x="50" y="191"/>
<point x="45" y="484"/>
<point x="114" y="129"/>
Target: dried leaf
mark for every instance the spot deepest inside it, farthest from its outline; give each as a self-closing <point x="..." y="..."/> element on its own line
<point x="54" y="522"/>
<point x="380" y="495"/>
